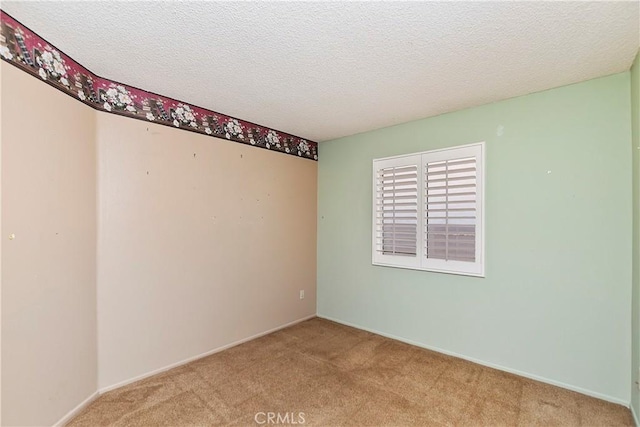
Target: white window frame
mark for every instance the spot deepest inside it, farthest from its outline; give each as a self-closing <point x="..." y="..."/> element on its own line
<point x="420" y="262"/>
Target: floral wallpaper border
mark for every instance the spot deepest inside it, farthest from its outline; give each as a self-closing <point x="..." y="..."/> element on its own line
<point x="26" y="50"/>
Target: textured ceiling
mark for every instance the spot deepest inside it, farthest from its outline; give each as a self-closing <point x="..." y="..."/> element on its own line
<point x="325" y="70"/>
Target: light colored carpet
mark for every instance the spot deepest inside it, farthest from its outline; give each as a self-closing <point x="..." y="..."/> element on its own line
<point x="340" y="376"/>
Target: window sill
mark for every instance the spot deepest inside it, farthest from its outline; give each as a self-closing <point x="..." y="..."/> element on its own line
<point x="431" y="270"/>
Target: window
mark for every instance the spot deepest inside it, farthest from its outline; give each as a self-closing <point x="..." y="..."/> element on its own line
<point x="428" y="210"/>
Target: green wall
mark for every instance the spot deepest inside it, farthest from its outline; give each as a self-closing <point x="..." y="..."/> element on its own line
<point x="555" y="300"/>
<point x="635" y="153"/>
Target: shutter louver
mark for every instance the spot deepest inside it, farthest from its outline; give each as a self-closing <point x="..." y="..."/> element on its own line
<point x="450" y="204"/>
<point x="396" y="211"/>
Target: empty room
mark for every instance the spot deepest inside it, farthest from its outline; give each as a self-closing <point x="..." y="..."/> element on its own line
<point x="225" y="213"/>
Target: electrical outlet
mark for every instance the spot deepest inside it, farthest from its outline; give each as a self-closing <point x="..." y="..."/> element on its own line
<point x="302" y="294"/>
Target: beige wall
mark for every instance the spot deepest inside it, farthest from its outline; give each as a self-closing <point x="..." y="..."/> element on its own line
<point x="202" y="242"/>
<point x="1" y="241"/>
<point x="196" y="243"/>
<point x="49" y="270"/>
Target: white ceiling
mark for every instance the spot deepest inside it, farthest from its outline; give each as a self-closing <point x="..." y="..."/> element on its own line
<point x="322" y="70"/>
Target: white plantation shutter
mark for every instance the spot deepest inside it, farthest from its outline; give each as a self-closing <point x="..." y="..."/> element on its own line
<point x="428" y="211"/>
<point x="450" y="209"/>
<point x="397" y="211"/>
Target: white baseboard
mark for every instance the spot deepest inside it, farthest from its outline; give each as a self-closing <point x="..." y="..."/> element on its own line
<point x="635" y="417"/>
<point x="200" y="356"/>
<point x="72" y="413"/>
<point x="488" y="364"/>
